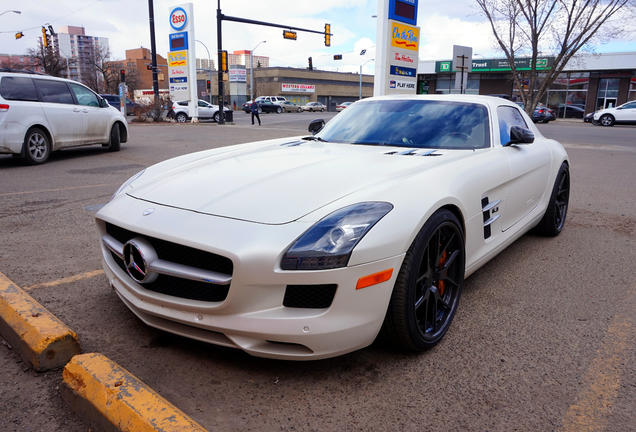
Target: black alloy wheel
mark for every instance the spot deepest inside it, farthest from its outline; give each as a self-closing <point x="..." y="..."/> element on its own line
<point x="428" y="286"/>
<point x="553" y="220"/>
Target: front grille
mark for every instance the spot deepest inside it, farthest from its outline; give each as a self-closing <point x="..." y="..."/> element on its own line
<point x="176" y="286"/>
<point x="309" y="296"/>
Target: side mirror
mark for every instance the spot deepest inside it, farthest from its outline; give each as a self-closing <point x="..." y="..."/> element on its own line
<point x="316" y="126"/>
<point x="520" y="135"/>
<point x="103" y="103"/>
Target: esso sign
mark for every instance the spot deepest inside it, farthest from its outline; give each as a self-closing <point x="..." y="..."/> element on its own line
<point x="178" y="18"/>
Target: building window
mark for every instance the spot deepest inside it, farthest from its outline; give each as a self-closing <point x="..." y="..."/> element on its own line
<point x="632" y="89"/>
<point x="607" y="93"/>
<point x="446" y="85"/>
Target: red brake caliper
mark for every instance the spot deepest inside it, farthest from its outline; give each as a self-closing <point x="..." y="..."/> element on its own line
<point x="441" y="284"/>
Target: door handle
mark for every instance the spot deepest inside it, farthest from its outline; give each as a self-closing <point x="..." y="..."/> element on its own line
<point x="84" y="110"/>
<point x="76" y="110"/>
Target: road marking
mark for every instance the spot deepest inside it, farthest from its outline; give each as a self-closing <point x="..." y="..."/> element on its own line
<point x="57" y="190"/>
<point x="36" y="334"/>
<point x="602" y="378"/>
<point x="601" y="147"/>
<point x="69" y="279"/>
<point x="105" y="393"/>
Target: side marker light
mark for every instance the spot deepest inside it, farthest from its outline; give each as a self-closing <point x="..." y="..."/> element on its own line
<point x="374" y="279"/>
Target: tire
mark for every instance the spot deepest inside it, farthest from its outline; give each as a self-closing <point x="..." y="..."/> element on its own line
<point x="37" y="147"/>
<point x="322" y="109"/>
<point x="607" y="120"/>
<point x="279" y="110"/>
<point x="215" y="117"/>
<point x="114" y="143"/>
<point x="181" y="118"/>
<point x="553" y="219"/>
<point x="417" y="293"/>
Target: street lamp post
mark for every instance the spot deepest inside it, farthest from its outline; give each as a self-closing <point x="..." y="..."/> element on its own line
<point x="252" y="70"/>
<point x="370" y="60"/>
<point x="209" y="70"/>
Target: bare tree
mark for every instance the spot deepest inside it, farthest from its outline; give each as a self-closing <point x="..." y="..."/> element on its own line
<point x="101" y="61"/>
<point x="50" y="60"/>
<point x="563" y="27"/>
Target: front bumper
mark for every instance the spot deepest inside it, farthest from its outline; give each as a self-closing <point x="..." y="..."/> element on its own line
<point x="252" y="316"/>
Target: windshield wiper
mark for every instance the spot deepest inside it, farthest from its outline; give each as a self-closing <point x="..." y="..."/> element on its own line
<point x="314" y="138"/>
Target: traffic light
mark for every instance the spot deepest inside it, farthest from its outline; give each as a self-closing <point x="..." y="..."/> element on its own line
<point x="45" y="38"/>
<point x="122" y="75"/>
<point x="19" y="35"/>
<point x="51" y="30"/>
<point x="288" y="34"/>
<point x="337" y="56"/>
<point x="209" y="85"/>
<point x="311" y="65"/>
<point x="224" y="61"/>
<point x="327" y="34"/>
<point x="149" y="67"/>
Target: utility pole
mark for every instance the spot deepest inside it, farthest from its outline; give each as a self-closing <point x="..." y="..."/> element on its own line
<point x="219" y="20"/>
<point x="153" y="55"/>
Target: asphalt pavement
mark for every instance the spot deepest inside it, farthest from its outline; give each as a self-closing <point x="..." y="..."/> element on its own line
<point x="543" y="339"/>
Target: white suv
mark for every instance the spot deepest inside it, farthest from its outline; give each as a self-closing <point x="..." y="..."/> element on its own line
<point x="623" y="114"/>
<point x="40" y="114"/>
<point x="273" y="99"/>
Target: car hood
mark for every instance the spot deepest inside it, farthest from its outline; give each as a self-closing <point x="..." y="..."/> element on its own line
<point x="275" y="183"/>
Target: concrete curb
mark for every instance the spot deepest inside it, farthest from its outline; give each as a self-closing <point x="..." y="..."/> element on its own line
<point x="37" y="335"/>
<point x="111" y="398"/>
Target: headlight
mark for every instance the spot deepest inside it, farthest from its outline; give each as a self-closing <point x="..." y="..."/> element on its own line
<point x="127" y="183"/>
<point x="329" y="242"/>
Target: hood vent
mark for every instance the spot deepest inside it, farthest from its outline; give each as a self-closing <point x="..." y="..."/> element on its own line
<point x="414" y="152"/>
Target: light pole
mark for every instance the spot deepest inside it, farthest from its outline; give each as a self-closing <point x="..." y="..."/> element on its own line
<point x="209" y="70"/>
<point x="11" y="11"/>
<point x="252" y="70"/>
<point x="370" y="60"/>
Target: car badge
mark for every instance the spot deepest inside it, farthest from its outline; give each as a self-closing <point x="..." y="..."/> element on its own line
<point x="148" y="211"/>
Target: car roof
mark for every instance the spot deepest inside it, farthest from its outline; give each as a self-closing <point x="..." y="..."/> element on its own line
<point x="491" y="101"/>
<point x="37" y="75"/>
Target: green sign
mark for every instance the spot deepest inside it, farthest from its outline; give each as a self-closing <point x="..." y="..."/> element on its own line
<point x="498" y="65"/>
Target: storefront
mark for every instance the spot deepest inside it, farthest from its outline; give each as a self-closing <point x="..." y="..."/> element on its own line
<point x="588" y="82"/>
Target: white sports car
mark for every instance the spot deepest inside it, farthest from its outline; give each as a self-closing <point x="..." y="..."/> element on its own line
<point x="305" y="248"/>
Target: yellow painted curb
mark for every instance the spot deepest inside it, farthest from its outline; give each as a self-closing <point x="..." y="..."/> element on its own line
<point x="41" y="339"/>
<point x="108" y="395"/>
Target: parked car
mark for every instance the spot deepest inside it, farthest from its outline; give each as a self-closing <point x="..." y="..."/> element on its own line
<point x="40" y="114"/>
<point x="571" y="111"/>
<point x="205" y="111"/>
<point x="343" y="106"/>
<point x="623" y="114"/>
<point x="589" y="117"/>
<point x="305" y="247"/>
<point x="115" y="101"/>
<point x="314" y="106"/>
<point x="541" y="113"/>
<point x="291" y="107"/>
<point x="263" y="106"/>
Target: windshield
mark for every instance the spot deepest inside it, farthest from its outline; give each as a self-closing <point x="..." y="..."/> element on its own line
<point x="411" y="123"/>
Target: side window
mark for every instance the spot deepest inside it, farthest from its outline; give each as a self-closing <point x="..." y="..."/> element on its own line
<point x="18" y="88"/>
<point x="54" y="91"/>
<point x="203" y="104"/>
<point x="508" y="117"/>
<point x="84" y="96"/>
<point x="631" y="105"/>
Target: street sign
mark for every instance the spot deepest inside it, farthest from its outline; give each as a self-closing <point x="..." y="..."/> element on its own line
<point x="462" y="58"/>
<point x="288" y="34"/>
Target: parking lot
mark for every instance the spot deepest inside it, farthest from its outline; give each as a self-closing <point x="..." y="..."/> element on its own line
<point x="543" y="338"/>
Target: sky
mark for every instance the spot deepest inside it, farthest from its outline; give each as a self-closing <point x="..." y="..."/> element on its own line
<point x="125" y="24"/>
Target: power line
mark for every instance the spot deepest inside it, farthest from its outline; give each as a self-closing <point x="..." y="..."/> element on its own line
<point x="53" y="20"/>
